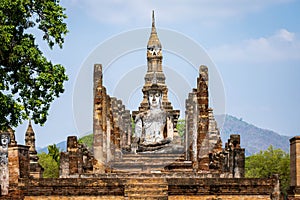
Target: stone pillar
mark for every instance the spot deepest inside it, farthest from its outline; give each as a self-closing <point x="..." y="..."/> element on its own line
<point x="98" y="123"/>
<point x="18" y="165"/>
<point x="215" y="142"/>
<point x="4" y="173"/>
<point x="202" y="95"/>
<point x="64" y="167"/>
<point x="76" y="161"/>
<point x="294" y="191"/>
<point x="105" y="125"/>
<point x="186" y="132"/>
<point x="120" y="133"/>
<point x="191" y="128"/>
<point x="108" y="132"/>
<point x="234" y="165"/>
<point x="119" y="130"/>
<point x="128" y="127"/>
<point x="239" y="159"/>
<point x="75" y="156"/>
<point x="122" y="126"/>
<point x="115" y="127"/>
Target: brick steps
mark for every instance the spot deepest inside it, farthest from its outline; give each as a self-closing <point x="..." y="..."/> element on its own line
<point x="146" y="188"/>
<point x="142" y="166"/>
<point x="152" y="155"/>
<point x="150" y="162"/>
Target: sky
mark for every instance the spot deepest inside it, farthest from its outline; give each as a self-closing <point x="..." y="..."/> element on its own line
<point x="252" y="50"/>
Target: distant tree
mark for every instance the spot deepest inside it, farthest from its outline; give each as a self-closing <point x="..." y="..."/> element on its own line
<point x="181" y="127"/>
<point x="54" y="152"/>
<point x="28" y="81"/>
<point x="51" y="168"/>
<point x="266" y="163"/>
<point x="50" y="162"/>
<point x="87" y="140"/>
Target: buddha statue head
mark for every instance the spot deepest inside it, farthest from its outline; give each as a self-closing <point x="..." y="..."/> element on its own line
<point x="4" y="140"/>
<point x="154" y="97"/>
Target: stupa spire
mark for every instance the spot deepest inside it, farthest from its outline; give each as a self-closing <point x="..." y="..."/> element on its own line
<point x="155" y="77"/>
<point x="30" y="138"/>
<point x="153" y="43"/>
<point x="153" y="22"/>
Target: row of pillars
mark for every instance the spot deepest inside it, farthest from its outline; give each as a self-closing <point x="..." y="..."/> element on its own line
<point x="112" y="124"/>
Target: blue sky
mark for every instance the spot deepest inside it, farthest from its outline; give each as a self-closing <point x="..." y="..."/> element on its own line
<point x="255" y="46"/>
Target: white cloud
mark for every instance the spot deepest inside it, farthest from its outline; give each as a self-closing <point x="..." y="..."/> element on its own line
<point x="204" y="11"/>
<point x="285" y="35"/>
<point x="281" y="46"/>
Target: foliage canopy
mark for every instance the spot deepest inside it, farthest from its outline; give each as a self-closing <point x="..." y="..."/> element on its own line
<point x="266" y="163"/>
<point x="28" y="81"/>
<point x="181" y="127"/>
<point x="87" y="140"/>
<point x="50" y="162"/>
<point x="54" y="152"/>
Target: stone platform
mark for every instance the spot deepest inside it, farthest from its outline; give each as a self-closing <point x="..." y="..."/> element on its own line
<point x="151" y="162"/>
<point x="127" y="186"/>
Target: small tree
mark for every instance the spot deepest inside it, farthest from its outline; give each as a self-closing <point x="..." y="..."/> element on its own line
<point x="50" y="162"/>
<point x="180" y="127"/>
<point x="87" y="140"/>
<point x="54" y="152"/>
<point x="266" y="163"/>
<point x="51" y="167"/>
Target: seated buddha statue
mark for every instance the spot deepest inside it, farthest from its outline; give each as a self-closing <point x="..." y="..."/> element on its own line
<point x="153" y="128"/>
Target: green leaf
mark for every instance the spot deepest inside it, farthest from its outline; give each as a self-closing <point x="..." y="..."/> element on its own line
<point x="29" y="81"/>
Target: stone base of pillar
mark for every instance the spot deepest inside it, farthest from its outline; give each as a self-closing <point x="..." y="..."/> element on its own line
<point x="294" y="193"/>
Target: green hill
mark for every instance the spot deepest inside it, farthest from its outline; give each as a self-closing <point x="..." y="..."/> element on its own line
<point x="87" y="140"/>
<point x="253" y="139"/>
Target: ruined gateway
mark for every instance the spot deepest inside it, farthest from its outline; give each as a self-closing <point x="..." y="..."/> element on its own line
<point x="151" y="161"/>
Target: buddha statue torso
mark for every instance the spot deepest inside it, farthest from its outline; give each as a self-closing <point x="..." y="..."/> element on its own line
<point x="152" y="126"/>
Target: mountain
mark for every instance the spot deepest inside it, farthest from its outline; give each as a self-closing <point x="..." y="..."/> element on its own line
<point x="253" y="139"/>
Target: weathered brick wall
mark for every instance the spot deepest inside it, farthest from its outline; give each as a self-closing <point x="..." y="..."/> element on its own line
<point x="220" y="197"/>
<point x="74" y="198"/>
<point x="73" y="187"/>
<point x="222" y="186"/>
<point x="112" y="187"/>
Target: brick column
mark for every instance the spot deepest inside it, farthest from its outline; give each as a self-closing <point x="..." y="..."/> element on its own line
<point x="202" y="96"/>
<point x="294" y="191"/>
<point x="18" y="164"/>
<point x="99" y="96"/>
<point x="75" y="156"/>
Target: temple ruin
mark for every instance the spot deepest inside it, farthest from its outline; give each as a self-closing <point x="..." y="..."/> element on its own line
<point x="147" y="161"/>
